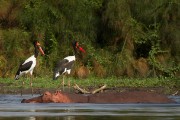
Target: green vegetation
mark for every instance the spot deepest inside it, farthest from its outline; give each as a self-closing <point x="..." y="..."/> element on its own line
<point x="135" y="39"/>
<point x="112" y="82"/>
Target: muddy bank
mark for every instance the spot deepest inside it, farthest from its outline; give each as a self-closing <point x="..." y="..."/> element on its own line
<point x="158" y="90"/>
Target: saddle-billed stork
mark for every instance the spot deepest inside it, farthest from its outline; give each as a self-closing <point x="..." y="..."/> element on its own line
<point x="29" y="64"/>
<point x="65" y="65"/>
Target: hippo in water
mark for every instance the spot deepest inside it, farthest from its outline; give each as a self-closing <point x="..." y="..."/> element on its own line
<point x="105" y="97"/>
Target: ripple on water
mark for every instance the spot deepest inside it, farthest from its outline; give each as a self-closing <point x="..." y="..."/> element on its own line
<point x="10" y="106"/>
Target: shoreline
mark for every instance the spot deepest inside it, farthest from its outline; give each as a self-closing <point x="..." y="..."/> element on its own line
<point x="158" y="90"/>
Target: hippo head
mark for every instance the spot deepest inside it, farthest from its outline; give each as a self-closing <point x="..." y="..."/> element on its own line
<point x="33" y="100"/>
<point x="59" y="97"/>
<point x="47" y="97"/>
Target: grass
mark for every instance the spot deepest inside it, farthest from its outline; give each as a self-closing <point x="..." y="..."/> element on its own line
<point x="46" y="82"/>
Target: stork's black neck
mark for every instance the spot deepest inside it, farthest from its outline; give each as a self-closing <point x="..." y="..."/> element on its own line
<point x="75" y="50"/>
<point x="36" y="51"/>
<point x="77" y="54"/>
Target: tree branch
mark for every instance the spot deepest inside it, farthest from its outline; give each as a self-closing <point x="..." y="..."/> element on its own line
<point x="99" y="89"/>
<point x="87" y="92"/>
<point x="80" y="89"/>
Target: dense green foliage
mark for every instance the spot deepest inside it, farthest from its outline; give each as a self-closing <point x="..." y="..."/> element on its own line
<point x="133" y="38"/>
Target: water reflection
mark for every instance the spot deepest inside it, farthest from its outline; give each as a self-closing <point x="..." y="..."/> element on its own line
<point x="11" y="108"/>
<point x="69" y="118"/>
<point x="31" y="118"/>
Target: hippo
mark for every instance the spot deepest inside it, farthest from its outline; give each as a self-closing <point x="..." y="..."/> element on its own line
<point x="105" y="97"/>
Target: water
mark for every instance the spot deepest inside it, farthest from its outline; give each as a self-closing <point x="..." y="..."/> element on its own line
<point x="11" y="108"/>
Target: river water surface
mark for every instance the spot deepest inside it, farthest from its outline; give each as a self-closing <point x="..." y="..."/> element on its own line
<point x="11" y="108"/>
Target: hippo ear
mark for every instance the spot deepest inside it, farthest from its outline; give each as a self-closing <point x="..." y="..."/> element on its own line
<point x="57" y="92"/>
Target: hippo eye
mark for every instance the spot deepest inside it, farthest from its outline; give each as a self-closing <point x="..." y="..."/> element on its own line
<point x="46" y="93"/>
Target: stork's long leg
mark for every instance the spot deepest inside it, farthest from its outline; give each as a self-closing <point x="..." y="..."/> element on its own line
<point x="63" y="82"/>
<point x="31" y="84"/>
<point x="22" y="87"/>
<point x="69" y="84"/>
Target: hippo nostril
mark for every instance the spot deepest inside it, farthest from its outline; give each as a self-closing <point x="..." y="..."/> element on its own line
<point x="23" y="101"/>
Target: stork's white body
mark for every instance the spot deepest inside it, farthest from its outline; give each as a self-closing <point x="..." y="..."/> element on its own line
<point x="64" y="66"/>
<point x="33" y="59"/>
<point x="31" y="67"/>
<point x="70" y="58"/>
